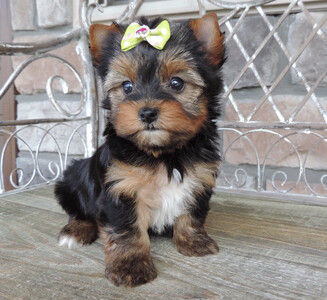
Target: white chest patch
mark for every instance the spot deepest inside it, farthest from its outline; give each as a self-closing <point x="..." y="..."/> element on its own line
<point x="174" y="198"/>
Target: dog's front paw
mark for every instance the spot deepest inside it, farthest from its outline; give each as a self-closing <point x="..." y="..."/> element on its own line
<point x="78" y="231"/>
<point x="131" y="271"/>
<point x="66" y="240"/>
<point x="197" y="244"/>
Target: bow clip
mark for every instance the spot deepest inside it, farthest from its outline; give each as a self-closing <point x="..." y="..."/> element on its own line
<point x="136" y="33"/>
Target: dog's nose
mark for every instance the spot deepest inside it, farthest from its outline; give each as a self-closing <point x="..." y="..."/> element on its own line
<point x="148" y="115"/>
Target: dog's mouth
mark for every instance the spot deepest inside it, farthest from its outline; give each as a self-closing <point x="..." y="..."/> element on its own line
<point x="150" y="127"/>
<point x="156" y="140"/>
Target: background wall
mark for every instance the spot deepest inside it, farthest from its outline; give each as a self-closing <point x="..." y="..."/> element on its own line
<point x="35" y="20"/>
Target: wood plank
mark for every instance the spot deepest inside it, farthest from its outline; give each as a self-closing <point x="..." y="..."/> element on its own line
<point x="42" y="198"/>
<point x="268" y="250"/>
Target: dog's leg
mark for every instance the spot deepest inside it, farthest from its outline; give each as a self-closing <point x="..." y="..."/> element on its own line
<point x="191" y="238"/>
<point x="128" y="259"/>
<point x="78" y="231"/>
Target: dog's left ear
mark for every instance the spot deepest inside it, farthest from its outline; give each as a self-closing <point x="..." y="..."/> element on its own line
<point x="208" y="32"/>
<point x="99" y="33"/>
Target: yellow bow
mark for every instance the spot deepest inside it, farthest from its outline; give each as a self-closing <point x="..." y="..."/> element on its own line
<point x="135" y="34"/>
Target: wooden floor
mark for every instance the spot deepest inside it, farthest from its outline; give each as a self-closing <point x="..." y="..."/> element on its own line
<point x="268" y="250"/>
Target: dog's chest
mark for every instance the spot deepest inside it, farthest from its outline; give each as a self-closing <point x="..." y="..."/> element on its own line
<point x="167" y="199"/>
<point x="159" y="201"/>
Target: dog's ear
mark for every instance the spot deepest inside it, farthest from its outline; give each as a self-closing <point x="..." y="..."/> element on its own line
<point x="208" y="32"/>
<point x="98" y="35"/>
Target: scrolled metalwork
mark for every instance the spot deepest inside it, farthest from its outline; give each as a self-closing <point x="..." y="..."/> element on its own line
<point x="323" y="178"/>
<point x="55" y="168"/>
<point x="86" y="13"/>
<point x="65" y="88"/>
<point x="202" y="8"/>
<point x="130" y="11"/>
<point x="279" y="180"/>
<point x="283" y="173"/>
<point x="237" y="183"/>
<point x="57" y="106"/>
<point x="69" y="142"/>
<point x="20" y="171"/>
<point x="39" y="47"/>
<point x="59" y="167"/>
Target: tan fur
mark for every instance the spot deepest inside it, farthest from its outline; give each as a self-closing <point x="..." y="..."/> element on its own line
<point x="179" y="67"/>
<point x="174" y="119"/>
<point x="207" y="173"/>
<point x="124" y="244"/>
<point x="98" y="34"/>
<point x="139" y="183"/>
<point x="191" y="238"/>
<point x="172" y="67"/>
<point x="192" y="102"/>
<point x="126" y="120"/>
<point x="207" y="31"/>
<point x="124" y="64"/>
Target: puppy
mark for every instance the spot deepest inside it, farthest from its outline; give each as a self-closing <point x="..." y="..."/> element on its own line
<point x="157" y="168"/>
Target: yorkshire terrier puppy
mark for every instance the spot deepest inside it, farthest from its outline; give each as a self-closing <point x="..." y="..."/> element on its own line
<point x="157" y="168"/>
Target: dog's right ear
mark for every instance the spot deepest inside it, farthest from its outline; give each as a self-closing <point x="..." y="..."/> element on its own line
<point x="98" y="35"/>
<point x="207" y="31"/>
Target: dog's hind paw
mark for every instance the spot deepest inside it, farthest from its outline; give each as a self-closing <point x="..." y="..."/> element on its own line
<point x="66" y="240"/>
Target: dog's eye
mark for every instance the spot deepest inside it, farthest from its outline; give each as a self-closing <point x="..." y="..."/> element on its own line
<point x="128" y="87"/>
<point x="177" y="84"/>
